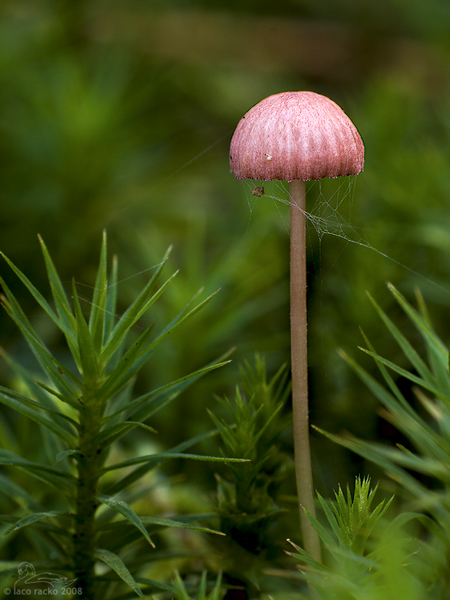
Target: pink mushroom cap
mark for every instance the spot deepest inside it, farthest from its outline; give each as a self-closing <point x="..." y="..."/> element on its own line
<point x="296" y="135"/>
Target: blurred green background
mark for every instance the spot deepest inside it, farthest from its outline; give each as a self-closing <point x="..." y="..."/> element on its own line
<point x="118" y="115"/>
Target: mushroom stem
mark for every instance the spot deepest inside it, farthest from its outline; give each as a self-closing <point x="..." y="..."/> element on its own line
<point x="299" y="366"/>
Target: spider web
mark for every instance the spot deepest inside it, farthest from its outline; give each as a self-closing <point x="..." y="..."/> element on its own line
<point x="326" y="216"/>
<point x="330" y="215"/>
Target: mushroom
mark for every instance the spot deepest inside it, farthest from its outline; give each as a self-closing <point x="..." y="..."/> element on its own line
<point x="296" y="137"/>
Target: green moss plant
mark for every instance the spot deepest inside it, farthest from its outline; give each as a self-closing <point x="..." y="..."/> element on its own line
<point x="365" y="558"/>
<point x="83" y="516"/>
<point x="247" y="493"/>
<point x="418" y="464"/>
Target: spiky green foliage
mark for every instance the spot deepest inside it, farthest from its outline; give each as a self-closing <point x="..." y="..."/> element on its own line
<point x="390" y="571"/>
<point x="183" y="592"/>
<point x="425" y="424"/>
<point x="351" y="520"/>
<point x="419" y="465"/>
<point x="247" y="492"/>
<point x="351" y="570"/>
<point x="253" y="433"/>
<point x="83" y="514"/>
<point x="351" y="517"/>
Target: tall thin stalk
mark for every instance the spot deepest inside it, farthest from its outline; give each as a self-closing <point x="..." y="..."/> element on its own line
<point x="299" y="365"/>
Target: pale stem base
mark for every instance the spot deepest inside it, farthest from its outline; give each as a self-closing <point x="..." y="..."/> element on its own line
<point x="299" y="365"/>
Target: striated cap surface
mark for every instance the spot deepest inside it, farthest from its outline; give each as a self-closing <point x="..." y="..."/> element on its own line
<point x="296" y="135"/>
